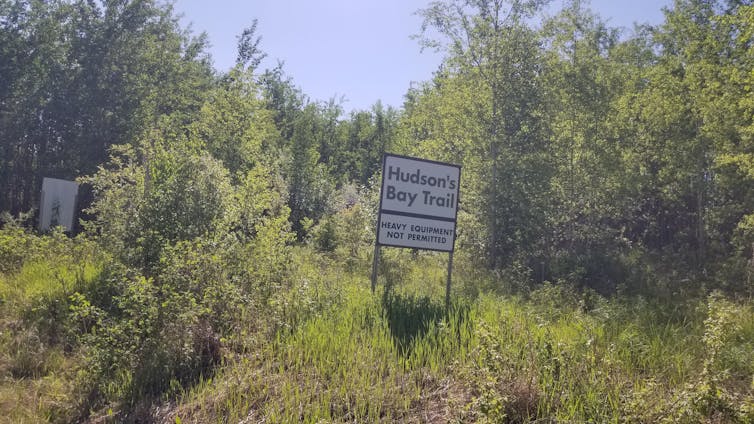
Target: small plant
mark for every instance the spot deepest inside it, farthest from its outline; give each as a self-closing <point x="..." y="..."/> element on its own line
<point x="713" y="399"/>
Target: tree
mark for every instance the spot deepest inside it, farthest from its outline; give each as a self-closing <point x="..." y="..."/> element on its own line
<point x="310" y="183"/>
<point x="235" y="125"/>
<point x="491" y="46"/>
<point x="83" y="76"/>
<point x="582" y="79"/>
<point x="250" y="55"/>
<point x="190" y="195"/>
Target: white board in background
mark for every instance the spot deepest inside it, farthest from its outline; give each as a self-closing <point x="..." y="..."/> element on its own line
<point x="58" y="204"/>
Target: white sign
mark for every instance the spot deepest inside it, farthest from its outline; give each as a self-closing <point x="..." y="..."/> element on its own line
<point x="58" y="204"/>
<point x="418" y="203"/>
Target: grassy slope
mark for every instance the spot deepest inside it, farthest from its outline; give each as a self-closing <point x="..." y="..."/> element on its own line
<point x="37" y="375"/>
<point x="553" y="356"/>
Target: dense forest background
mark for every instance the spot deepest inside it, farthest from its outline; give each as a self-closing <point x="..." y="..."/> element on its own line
<point x="599" y="166"/>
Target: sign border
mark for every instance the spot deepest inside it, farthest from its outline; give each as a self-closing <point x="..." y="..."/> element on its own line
<point x="428" y="217"/>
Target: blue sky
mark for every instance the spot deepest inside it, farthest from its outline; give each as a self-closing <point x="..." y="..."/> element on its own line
<point x="360" y="50"/>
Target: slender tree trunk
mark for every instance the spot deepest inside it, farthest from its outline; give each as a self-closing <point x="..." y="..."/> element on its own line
<point x="700" y="236"/>
<point x="494" y="153"/>
<point x="494" y="224"/>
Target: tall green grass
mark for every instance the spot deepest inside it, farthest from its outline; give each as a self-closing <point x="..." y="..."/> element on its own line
<point x="554" y="356"/>
<point x="335" y="352"/>
<point x="37" y="365"/>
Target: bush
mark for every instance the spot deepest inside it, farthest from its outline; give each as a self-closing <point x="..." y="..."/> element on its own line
<point x="164" y="332"/>
<point x="16" y="246"/>
<point x="186" y="196"/>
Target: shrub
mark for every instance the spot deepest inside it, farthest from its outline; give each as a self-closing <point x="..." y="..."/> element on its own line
<point x="186" y="196"/>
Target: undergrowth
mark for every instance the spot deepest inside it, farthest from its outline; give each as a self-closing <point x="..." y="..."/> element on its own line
<point x="213" y="338"/>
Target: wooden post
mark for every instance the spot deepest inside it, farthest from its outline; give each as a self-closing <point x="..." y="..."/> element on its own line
<point x="447" y="285"/>
<point x="375" y="263"/>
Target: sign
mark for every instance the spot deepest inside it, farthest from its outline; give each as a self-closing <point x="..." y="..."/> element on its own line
<point x="58" y="204"/>
<point x="418" y="203"/>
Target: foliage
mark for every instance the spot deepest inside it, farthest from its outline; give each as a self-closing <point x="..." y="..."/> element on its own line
<point x="212" y="333"/>
<point x="234" y="125"/>
<point x="78" y="77"/>
<point x="493" y="86"/>
<point x="605" y="234"/>
<point x="563" y="356"/>
<point x="349" y="231"/>
<point x="249" y="53"/>
<point x="141" y="209"/>
<point x="634" y="159"/>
